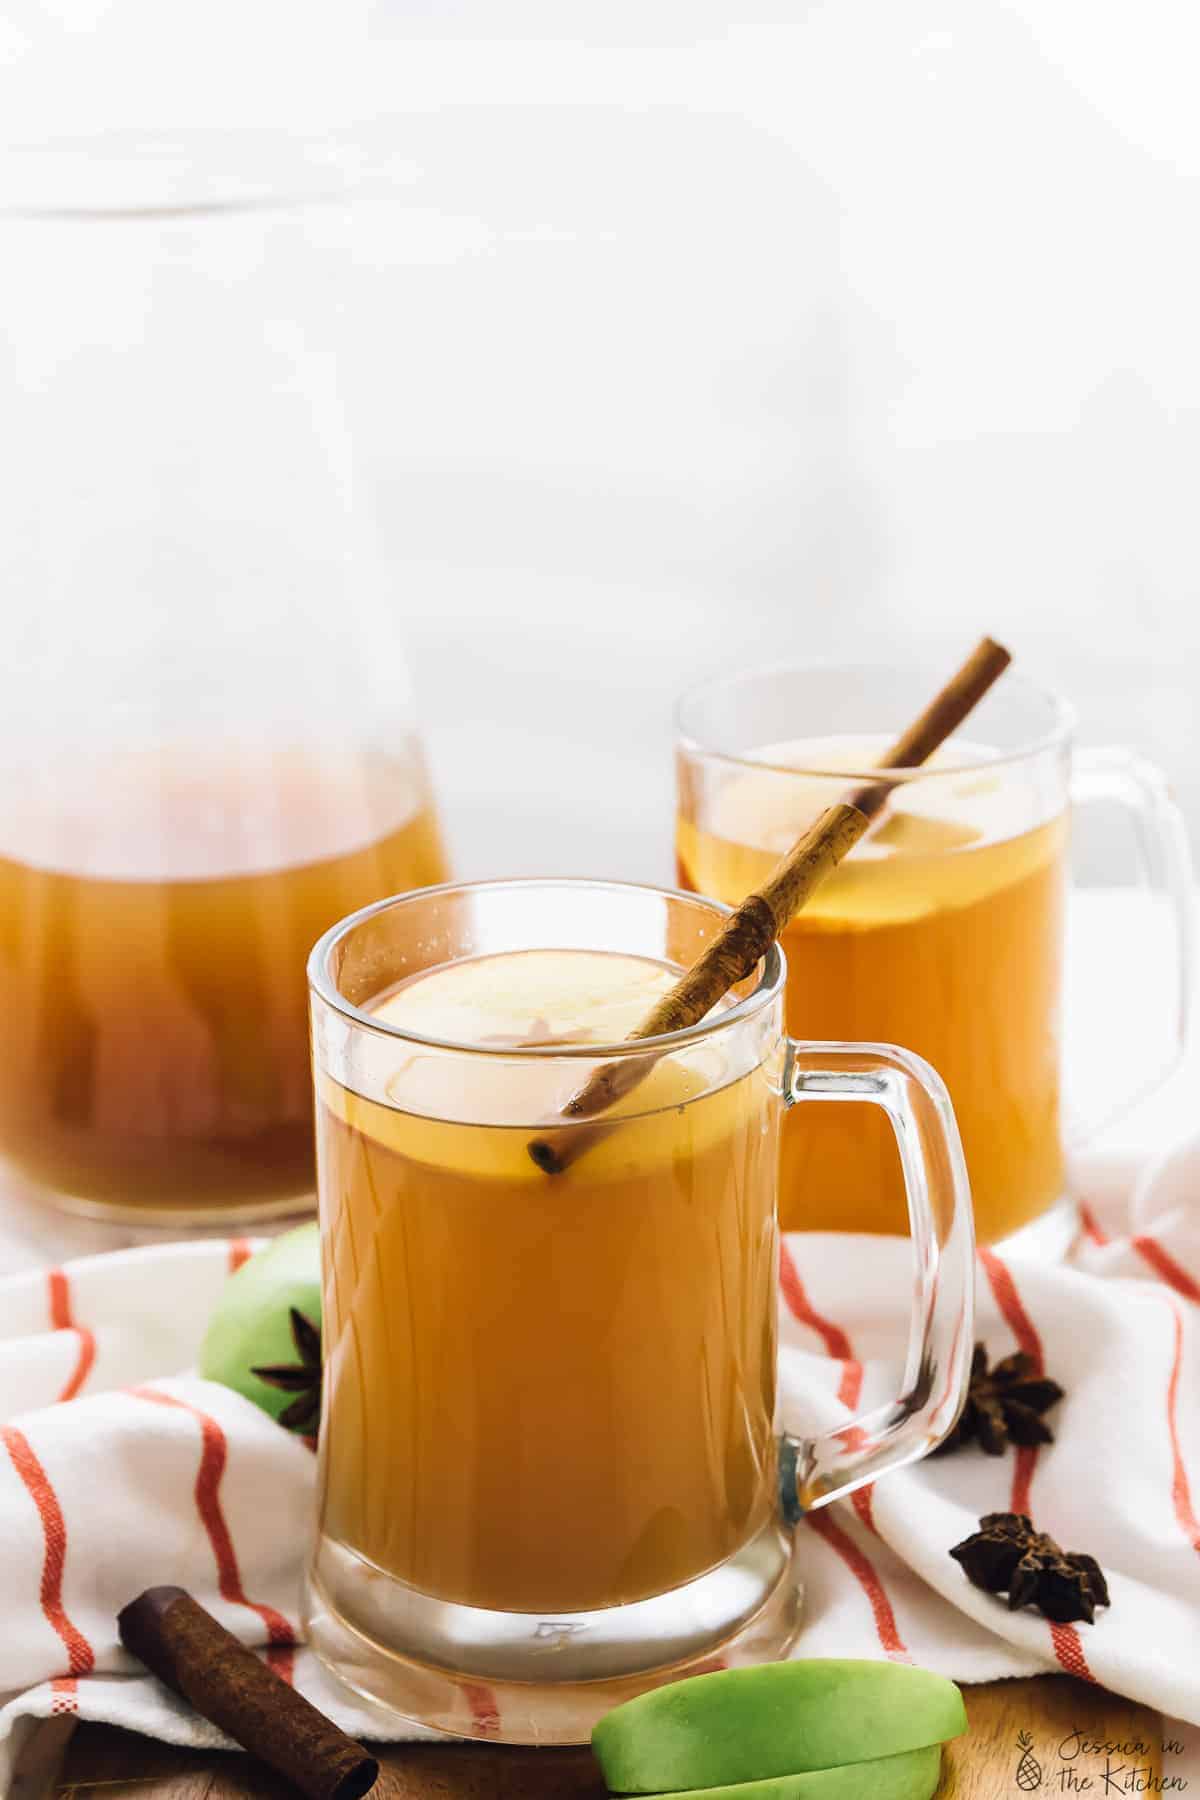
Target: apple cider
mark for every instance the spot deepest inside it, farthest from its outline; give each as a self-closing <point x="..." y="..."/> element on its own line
<point x="941" y="931"/>
<point x="544" y="1393"/>
<point x="153" y="1014"/>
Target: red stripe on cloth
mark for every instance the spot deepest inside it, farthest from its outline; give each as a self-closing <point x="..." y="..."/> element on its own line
<point x="1025" y="1331"/>
<point x="1069" y="1650"/>
<point x="1067" y="1647"/>
<point x="485" y="1714"/>
<point x="1009" y="1302"/>
<point x="80" y="1656"/>
<point x="863" y="1504"/>
<point x="239" y="1252"/>
<point x="836" y="1343"/>
<point x="213" y="1455"/>
<point x="58" y="1295"/>
<point x="65" y="1689"/>
<point x="1092" y="1225"/>
<point x="1181" y="1493"/>
<point x="850" y="1386"/>
<point x="282" y="1658"/>
<point x="863" y="1570"/>
<point x="1166" y="1268"/>
<point x="1024" y="1464"/>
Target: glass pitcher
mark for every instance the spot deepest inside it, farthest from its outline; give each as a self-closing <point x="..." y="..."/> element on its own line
<point x="209" y="752"/>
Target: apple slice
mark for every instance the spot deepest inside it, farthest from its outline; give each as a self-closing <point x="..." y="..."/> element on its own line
<point x="778" y="1719"/>
<point x="913" y="1775"/>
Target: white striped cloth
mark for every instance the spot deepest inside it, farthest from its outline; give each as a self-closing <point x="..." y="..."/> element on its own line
<point x="117" y="1470"/>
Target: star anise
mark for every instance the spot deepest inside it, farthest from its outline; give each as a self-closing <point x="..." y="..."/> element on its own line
<point x="301" y="1378"/>
<point x="1004" y="1405"/>
<point x="1006" y="1555"/>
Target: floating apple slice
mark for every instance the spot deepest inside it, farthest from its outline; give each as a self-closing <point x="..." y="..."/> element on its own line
<point x="779" y="1719"/>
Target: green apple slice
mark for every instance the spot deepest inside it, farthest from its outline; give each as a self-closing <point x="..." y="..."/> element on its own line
<point x="913" y="1775"/>
<point x="777" y="1719"/>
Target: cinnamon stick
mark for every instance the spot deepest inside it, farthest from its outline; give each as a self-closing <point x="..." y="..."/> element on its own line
<point x="752" y="928"/>
<point x="192" y="1653"/>
<point x="942" y="717"/>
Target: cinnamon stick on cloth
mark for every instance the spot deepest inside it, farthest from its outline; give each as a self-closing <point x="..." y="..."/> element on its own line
<point x="752" y="928"/>
<point x="192" y="1653"/>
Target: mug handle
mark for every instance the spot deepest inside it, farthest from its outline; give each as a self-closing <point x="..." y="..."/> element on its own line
<point x="1118" y="777"/>
<point x="816" y="1470"/>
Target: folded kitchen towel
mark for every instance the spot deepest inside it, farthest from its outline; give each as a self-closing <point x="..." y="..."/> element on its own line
<point x="118" y="1469"/>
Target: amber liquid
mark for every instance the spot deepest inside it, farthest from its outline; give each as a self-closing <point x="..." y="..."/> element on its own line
<point x="946" y="939"/>
<point x="549" y="1393"/>
<point x="153" y="1027"/>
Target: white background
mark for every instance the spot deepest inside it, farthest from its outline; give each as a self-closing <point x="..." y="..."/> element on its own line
<point x="723" y="334"/>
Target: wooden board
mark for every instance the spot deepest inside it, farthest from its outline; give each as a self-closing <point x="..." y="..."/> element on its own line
<point x="1058" y="1714"/>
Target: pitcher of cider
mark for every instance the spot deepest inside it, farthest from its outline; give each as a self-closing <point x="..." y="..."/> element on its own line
<point x="208" y="744"/>
<point x="942" y="930"/>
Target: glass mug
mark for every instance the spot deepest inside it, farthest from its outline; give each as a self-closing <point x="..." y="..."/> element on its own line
<point x="549" y="1468"/>
<point x="943" y="930"/>
<point x="209" y="752"/>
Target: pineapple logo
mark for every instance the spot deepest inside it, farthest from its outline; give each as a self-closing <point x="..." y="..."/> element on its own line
<point x="1029" y="1769"/>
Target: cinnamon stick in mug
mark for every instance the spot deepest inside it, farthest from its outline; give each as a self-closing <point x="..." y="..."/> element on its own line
<point x="753" y="926"/>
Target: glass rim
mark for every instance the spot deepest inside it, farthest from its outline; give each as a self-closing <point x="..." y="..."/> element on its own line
<point x="1061" y="731"/>
<point x="321" y="983"/>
